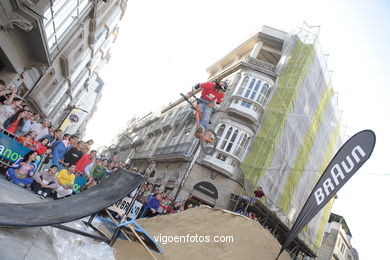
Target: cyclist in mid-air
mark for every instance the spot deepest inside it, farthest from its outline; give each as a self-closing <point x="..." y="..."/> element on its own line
<point x="212" y="93"/>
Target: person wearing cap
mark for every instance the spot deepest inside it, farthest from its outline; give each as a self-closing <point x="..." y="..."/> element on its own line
<point x="212" y="93"/>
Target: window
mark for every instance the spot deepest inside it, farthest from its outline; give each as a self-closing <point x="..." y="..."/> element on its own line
<point x="57" y="94"/>
<point x="243" y="85"/>
<point x="252" y="88"/>
<point x="60" y="18"/>
<point x="243" y="142"/>
<point x="342" y="248"/>
<point x="232" y="140"/>
<point x="186" y="135"/>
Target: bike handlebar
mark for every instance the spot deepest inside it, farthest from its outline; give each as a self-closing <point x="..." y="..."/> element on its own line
<point x="186" y="99"/>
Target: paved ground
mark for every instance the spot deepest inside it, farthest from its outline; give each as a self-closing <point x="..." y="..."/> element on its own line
<point x="26" y="243"/>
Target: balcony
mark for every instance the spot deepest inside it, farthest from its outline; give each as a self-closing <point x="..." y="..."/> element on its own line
<point x="241" y="106"/>
<point x="146" y="123"/>
<point x="247" y="108"/>
<point x="225" y="164"/>
<point x="260" y="65"/>
<point x="177" y="151"/>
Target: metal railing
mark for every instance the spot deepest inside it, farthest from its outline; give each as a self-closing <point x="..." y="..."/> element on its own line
<point x="183" y="149"/>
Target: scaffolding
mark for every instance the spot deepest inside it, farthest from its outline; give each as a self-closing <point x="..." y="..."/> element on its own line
<point x="298" y="136"/>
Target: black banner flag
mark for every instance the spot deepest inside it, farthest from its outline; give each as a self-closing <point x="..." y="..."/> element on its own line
<point x="351" y="156"/>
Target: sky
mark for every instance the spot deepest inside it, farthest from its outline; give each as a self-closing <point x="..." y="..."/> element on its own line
<point x="164" y="48"/>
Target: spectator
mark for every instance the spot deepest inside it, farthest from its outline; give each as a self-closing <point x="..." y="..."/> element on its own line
<point x="90" y="166"/>
<point x="45" y="182"/>
<point x="153" y="205"/>
<point x="27" y="122"/>
<point x="99" y="172"/>
<point x="15" y="123"/>
<point x="23" y="169"/>
<point x="37" y="117"/>
<point x="259" y="193"/>
<point x="42" y="129"/>
<point x="89" y="144"/>
<point x="27" y="140"/>
<point x="60" y="150"/>
<point x="84" y="148"/>
<point x="85" y="160"/>
<point x="41" y="147"/>
<point x="66" y="179"/>
<point x="83" y="179"/>
<point x="74" y="154"/>
<point x="7" y="111"/>
<point x="7" y="95"/>
<point x="111" y="167"/>
<point x="56" y="138"/>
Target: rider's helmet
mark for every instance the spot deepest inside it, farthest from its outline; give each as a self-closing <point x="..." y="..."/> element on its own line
<point x="220" y="84"/>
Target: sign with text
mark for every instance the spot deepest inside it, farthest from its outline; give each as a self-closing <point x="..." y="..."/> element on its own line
<point x="207" y="188"/>
<point x="349" y="158"/>
<point x="12" y="150"/>
<point x="121" y="206"/>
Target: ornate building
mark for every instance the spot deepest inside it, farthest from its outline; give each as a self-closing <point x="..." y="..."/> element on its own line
<point x="53" y="51"/>
<point x="278" y="127"/>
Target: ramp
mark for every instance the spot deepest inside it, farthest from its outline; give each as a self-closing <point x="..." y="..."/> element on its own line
<point x="103" y="195"/>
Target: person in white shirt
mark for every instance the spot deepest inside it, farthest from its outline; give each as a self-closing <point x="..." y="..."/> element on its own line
<point x="42" y="129"/>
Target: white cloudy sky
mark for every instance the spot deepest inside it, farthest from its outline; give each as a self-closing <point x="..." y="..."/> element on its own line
<point x="164" y="48"/>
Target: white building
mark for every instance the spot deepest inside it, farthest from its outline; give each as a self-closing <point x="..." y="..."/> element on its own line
<point x="53" y="51"/>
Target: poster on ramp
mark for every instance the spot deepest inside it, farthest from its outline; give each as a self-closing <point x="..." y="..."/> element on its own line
<point x="349" y="158"/>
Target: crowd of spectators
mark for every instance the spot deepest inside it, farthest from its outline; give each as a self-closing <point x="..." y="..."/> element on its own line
<point x="67" y="165"/>
<point x="156" y="202"/>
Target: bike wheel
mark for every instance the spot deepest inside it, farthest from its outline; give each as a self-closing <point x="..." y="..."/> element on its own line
<point x="209" y="142"/>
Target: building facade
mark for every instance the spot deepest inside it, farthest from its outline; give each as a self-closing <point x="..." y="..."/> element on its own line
<point x="278" y="127"/>
<point x="336" y="244"/>
<point x="53" y="50"/>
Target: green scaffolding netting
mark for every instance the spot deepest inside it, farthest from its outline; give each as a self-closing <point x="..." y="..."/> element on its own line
<point x="298" y="136"/>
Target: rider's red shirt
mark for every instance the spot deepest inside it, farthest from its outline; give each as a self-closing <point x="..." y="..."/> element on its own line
<point x="209" y="92"/>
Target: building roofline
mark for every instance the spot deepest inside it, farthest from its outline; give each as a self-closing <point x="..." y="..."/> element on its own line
<point x="266" y="33"/>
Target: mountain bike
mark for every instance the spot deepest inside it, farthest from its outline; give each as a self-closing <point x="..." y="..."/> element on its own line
<point x="208" y="139"/>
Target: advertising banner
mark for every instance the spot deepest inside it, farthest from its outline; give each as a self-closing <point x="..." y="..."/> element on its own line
<point x="349" y="158"/>
<point x="12" y="150"/>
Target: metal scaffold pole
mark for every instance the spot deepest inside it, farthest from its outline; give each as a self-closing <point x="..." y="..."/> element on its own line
<point x="187" y="172"/>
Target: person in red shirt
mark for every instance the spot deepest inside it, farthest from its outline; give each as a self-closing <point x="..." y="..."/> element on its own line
<point x="42" y="146"/>
<point x="85" y="160"/>
<point x="259" y="193"/>
<point x="212" y="93"/>
<point x="16" y="122"/>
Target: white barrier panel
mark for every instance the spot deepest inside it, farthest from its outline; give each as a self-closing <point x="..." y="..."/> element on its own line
<point x="121" y="207"/>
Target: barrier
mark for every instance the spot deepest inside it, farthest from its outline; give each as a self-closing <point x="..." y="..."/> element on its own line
<point x="11" y="150"/>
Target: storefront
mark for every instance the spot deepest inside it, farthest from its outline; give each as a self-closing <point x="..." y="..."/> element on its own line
<point x="203" y="193"/>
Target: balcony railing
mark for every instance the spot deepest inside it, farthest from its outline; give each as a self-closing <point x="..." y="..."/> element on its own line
<point x="183" y="149"/>
<point x="261" y="65"/>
